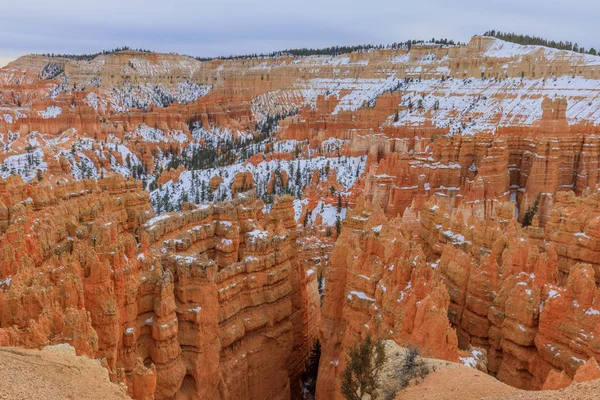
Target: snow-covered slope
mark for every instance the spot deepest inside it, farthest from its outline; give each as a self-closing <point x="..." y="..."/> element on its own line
<point x="194" y="185"/>
<point x="497" y="48"/>
<point x="466" y="105"/>
<point x="471" y="105"/>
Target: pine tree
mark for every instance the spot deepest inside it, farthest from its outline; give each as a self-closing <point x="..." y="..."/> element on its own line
<point x="360" y="377"/>
<point x="203" y="194"/>
<point x="531" y="211"/>
<point x="321" y="285"/>
<point x="298" y="177"/>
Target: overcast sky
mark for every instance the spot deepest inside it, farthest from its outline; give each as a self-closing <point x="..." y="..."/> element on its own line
<point x="225" y="27"/>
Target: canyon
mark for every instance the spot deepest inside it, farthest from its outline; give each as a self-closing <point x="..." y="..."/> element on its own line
<point x="198" y="226"/>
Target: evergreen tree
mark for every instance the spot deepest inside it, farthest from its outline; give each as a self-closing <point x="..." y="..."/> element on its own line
<point x="360" y="377"/>
<point x="298" y="176"/>
<point x="531" y="211"/>
<point x="203" y="188"/>
<point x="538" y="41"/>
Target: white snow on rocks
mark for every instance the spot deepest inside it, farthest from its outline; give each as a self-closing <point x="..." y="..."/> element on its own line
<point x="363" y="91"/>
<point x="51" y="112"/>
<point x="26" y="164"/>
<point x="190" y="182"/>
<point x="500" y="49"/>
<point x="329" y="214"/>
<point x="360" y="295"/>
<point x="298" y="208"/>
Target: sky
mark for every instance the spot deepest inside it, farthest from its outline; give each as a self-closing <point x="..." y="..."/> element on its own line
<point x="211" y="28"/>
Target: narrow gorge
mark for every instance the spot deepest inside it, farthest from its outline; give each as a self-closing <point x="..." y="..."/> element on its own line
<point x="223" y="229"/>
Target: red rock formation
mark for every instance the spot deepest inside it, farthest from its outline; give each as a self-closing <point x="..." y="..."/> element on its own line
<point x="215" y="182"/>
<point x="208" y="286"/>
<point x="170" y="175"/>
<point x="278" y="178"/>
<point x="503" y="292"/>
<point x="379" y="282"/>
<point x="242" y="182"/>
<point x="573" y="228"/>
<point x="434" y="256"/>
<point x="587" y="372"/>
<point x="557" y="381"/>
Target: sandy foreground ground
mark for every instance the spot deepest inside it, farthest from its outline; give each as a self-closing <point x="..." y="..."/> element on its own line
<point x="456" y="381"/>
<point x="452" y="381"/>
<point x="56" y="373"/>
<point x="53" y="373"/>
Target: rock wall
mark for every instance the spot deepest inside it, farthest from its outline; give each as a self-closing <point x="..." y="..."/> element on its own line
<point x="460" y="142"/>
<point x="379" y="282"/>
<point x="508" y="294"/>
<point x="159" y="299"/>
<point x="573" y="230"/>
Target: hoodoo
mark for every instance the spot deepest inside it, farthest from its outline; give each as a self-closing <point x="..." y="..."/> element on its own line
<point x="244" y="227"/>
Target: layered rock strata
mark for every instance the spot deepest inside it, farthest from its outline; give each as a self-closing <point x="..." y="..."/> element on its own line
<point x="509" y="295"/>
<point x="379" y="282"/>
<point x="159" y="299"/>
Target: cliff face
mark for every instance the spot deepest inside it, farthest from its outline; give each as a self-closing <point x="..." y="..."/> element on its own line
<point x="132" y="113"/>
<point x="159" y="298"/>
<point x="572" y="229"/>
<point x="468" y="279"/>
<point x="113" y="93"/>
<point x="505" y="283"/>
<point x="232" y="292"/>
<point x="444" y="197"/>
<point x="379" y="282"/>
